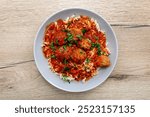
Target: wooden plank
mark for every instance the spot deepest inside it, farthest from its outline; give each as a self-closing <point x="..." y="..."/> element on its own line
<point x="31" y="13"/>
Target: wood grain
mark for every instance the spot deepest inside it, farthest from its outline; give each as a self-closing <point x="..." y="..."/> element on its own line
<point x="19" y="22"/>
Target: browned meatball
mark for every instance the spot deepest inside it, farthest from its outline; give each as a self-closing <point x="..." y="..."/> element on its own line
<point x="85" y="43"/>
<point x="59" y="38"/>
<point x="63" y="52"/>
<point x="78" y="55"/>
<point x="76" y="32"/>
<point x="102" y="61"/>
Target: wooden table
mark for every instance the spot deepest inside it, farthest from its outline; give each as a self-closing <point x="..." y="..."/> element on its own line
<point x="19" y="22"/>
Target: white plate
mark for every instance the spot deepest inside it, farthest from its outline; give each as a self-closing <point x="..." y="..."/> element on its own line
<point x="52" y="78"/>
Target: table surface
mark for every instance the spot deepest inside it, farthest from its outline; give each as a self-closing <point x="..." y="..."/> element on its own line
<point x="19" y="22"/>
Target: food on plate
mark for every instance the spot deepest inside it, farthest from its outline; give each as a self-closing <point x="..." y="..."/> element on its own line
<point x="75" y="48"/>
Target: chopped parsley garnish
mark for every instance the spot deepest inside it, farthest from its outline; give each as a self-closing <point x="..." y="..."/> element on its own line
<point x="57" y="41"/>
<point x="64" y="46"/>
<point x="99" y="52"/>
<point x="69" y="44"/>
<point x="96" y="45"/>
<point x="87" y="60"/>
<point x="69" y="37"/>
<point x="75" y="41"/>
<point x="64" y="77"/>
<point x="79" y="37"/>
<point x="66" y="68"/>
<point x="65" y="61"/>
<point x="84" y="31"/>
<point x="53" y="56"/>
<point x="52" y="46"/>
<point x="69" y="34"/>
<point x="92" y="45"/>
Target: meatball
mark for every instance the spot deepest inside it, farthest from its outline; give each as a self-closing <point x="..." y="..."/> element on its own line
<point x="75" y="32"/>
<point x="59" y="38"/>
<point x="78" y="55"/>
<point x="63" y="52"/>
<point x="102" y="61"/>
<point x="85" y="43"/>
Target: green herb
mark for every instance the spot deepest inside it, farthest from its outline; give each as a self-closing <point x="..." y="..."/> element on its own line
<point x="69" y="34"/>
<point x="87" y="60"/>
<point x="69" y="44"/>
<point x="52" y="46"/>
<point x="57" y="41"/>
<point x="79" y="37"/>
<point x="99" y="52"/>
<point x="93" y="45"/>
<point x="53" y="56"/>
<point x="66" y="39"/>
<point x="64" y="46"/>
<point x="64" y="77"/>
<point x="96" y="37"/>
<point x="96" y="45"/>
<point x="66" y="68"/>
<point x="75" y="41"/>
<point x="69" y="37"/>
<point x="84" y="30"/>
<point x="65" y="61"/>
